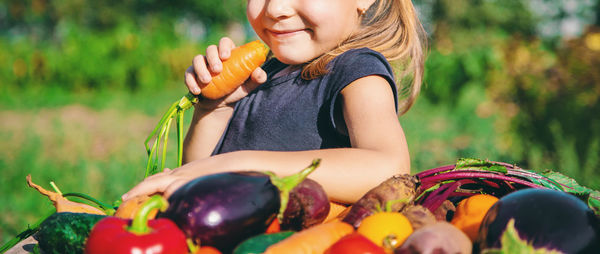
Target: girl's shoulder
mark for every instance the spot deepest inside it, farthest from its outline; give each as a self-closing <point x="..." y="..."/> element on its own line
<point x="360" y="60"/>
<point x="355" y="63"/>
<point x="364" y="51"/>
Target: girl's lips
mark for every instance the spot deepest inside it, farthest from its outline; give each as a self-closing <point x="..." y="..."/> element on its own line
<point x="286" y="33"/>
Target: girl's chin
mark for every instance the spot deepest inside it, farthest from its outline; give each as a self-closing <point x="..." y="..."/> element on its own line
<point x="293" y="56"/>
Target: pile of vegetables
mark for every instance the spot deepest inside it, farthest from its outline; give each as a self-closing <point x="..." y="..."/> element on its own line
<point x="473" y="206"/>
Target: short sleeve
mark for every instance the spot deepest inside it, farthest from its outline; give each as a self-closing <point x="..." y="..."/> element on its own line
<point x="348" y="67"/>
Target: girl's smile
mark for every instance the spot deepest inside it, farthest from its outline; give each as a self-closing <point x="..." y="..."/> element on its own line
<point x="298" y="31"/>
<point x="285" y="34"/>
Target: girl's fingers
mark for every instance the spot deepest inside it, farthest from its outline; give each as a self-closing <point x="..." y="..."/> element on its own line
<point x="201" y="70"/>
<point x="191" y="82"/>
<point x="173" y="187"/>
<point x="259" y="76"/>
<point x="153" y="184"/>
<point x="225" y="47"/>
<point x="212" y="58"/>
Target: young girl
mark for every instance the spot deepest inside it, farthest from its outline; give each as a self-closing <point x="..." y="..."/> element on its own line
<point x="329" y="93"/>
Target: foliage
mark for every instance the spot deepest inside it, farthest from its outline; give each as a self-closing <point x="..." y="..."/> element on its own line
<point x="549" y="99"/>
<point x="541" y="93"/>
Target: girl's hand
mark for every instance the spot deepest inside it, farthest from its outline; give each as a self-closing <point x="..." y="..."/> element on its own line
<point x="164" y="183"/>
<point x="199" y="74"/>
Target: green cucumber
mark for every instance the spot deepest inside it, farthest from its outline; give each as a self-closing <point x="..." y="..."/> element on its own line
<point x="258" y="244"/>
<point x="66" y="232"/>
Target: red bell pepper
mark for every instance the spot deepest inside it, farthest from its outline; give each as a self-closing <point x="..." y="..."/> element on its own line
<point x="114" y="235"/>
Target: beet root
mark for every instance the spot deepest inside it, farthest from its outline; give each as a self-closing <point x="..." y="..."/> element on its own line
<point x="399" y="191"/>
<point x="419" y="216"/>
<point x="308" y="205"/>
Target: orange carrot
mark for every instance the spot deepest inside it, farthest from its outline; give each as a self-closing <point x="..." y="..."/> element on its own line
<point x="236" y="69"/>
<point x="336" y="211"/>
<point x="274" y="227"/>
<point x="128" y="209"/>
<point x="315" y="239"/>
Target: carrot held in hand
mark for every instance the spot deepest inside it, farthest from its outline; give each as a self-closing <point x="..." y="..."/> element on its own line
<point x="236" y="69"/>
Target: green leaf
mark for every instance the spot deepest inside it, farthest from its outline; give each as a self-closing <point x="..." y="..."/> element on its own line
<point x="572" y="185"/>
<point x="594" y="202"/>
<point x="511" y="242"/>
<point x="479" y="164"/>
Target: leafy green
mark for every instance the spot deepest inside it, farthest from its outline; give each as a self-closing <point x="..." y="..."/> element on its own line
<point x="511" y="242"/>
<point x="572" y="185"/>
<point x="472" y="163"/>
<point x="591" y="196"/>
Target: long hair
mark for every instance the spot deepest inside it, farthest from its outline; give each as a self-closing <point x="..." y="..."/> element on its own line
<point x="392" y="28"/>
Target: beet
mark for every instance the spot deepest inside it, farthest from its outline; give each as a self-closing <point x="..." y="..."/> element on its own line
<point x="397" y="191"/>
<point x="221" y="210"/>
<point x="544" y="218"/>
<point x="308" y="205"/>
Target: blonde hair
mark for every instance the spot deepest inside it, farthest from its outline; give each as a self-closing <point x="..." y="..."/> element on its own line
<point x="392" y="28"/>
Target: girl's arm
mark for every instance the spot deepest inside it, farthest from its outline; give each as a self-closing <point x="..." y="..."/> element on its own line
<point x="205" y="131"/>
<point x="379" y="150"/>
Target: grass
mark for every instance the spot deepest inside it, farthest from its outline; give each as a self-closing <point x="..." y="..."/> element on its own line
<point x="90" y="146"/>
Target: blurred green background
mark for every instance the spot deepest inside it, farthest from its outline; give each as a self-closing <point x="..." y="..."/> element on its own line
<point x="82" y="83"/>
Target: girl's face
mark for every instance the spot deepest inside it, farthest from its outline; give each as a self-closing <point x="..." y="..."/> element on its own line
<point x="298" y="31"/>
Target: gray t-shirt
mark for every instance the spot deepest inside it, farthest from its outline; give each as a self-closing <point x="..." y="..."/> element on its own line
<point x="288" y="113"/>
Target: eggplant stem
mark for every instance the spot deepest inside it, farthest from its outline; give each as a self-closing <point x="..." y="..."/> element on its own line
<point x="139" y="225"/>
<point x="286" y="184"/>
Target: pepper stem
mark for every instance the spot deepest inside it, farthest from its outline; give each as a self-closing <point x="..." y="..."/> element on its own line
<point x="139" y="225"/>
<point x="287" y="183"/>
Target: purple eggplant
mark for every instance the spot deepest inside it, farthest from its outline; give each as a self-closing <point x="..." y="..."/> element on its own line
<point x="222" y="210"/>
<point x="544" y="218"/>
<point x="308" y="205"/>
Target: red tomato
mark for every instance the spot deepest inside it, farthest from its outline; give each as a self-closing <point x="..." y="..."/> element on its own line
<point x="354" y="243"/>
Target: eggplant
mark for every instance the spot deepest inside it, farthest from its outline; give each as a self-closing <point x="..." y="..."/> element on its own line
<point x="308" y="205"/>
<point x="545" y="218"/>
<point x="221" y="210"/>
